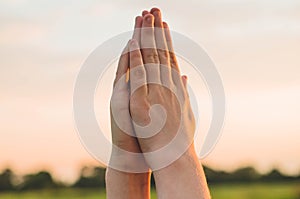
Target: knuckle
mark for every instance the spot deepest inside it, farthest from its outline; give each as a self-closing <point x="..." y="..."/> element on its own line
<point x="173" y="57"/>
<point x="163" y="54"/>
<point x="135" y="56"/>
<point x="152" y="57"/>
<point x="138" y="72"/>
<point x="173" y="60"/>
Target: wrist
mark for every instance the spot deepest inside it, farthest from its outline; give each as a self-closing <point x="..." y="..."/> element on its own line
<point x="127" y="185"/>
<point x="130" y="178"/>
<point x="125" y="161"/>
<point x="185" y="174"/>
<point x="188" y="161"/>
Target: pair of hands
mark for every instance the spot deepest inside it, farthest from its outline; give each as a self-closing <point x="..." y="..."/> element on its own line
<point x="149" y="108"/>
<point x="138" y="124"/>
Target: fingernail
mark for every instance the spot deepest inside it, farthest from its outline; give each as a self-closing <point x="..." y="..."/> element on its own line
<point x="156" y="13"/>
<point x="149" y="18"/>
<point x="165" y="24"/>
<point x="144" y="12"/>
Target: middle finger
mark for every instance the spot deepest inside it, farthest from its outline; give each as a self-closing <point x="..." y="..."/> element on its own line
<point x="149" y="52"/>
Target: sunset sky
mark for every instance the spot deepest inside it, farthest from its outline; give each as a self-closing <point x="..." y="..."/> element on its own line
<point x="254" y="44"/>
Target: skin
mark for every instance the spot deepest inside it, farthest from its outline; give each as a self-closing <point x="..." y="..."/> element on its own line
<point x="183" y="178"/>
<point x="123" y="184"/>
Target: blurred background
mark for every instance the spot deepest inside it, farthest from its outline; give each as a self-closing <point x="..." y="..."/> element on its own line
<point x="254" y="44"/>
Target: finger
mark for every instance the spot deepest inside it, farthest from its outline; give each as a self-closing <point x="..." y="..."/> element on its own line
<point x="144" y="13"/>
<point x="149" y="52"/>
<point x="160" y="39"/>
<point x="137" y="29"/>
<point x="137" y="73"/>
<point x="162" y="48"/>
<point x="148" y="40"/>
<point x="176" y="77"/>
<point x="154" y="9"/>
<point x="173" y="60"/>
<point x="184" y="81"/>
<point x="120" y="79"/>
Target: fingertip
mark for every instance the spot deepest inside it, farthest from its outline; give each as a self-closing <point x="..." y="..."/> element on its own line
<point x="132" y="43"/>
<point x="156" y="12"/>
<point x="149" y="18"/>
<point x="167" y="33"/>
<point x="184" y="79"/>
<point x="138" y="21"/>
<point x="154" y="9"/>
<point x="144" y="12"/>
<point x="165" y="25"/>
<point x="138" y="18"/>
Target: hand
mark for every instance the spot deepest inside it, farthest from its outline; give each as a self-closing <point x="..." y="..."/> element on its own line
<point x="120" y="184"/>
<point x="150" y="68"/>
<point x="159" y="102"/>
<point x="153" y="66"/>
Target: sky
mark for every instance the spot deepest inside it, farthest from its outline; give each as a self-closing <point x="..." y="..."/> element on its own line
<point x="254" y="45"/>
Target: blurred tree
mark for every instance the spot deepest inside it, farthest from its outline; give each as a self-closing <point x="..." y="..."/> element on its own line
<point x="39" y="180"/>
<point x="5" y="180"/>
<point x="275" y="175"/>
<point x="91" y="177"/>
<point x="246" y="174"/>
<point x="94" y="177"/>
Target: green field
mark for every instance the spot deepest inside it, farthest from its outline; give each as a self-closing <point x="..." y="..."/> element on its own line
<point x="257" y="191"/>
<point x="227" y="191"/>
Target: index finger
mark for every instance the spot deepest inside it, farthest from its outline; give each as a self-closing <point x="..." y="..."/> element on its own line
<point x="120" y="79"/>
<point x="137" y="70"/>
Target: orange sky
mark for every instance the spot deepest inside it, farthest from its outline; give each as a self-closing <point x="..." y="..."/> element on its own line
<point x="254" y="44"/>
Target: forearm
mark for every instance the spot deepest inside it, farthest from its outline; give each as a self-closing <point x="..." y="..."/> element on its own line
<point x="184" y="178"/>
<point x="122" y="185"/>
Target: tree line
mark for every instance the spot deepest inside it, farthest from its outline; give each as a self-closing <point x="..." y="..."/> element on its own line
<point x="94" y="177"/>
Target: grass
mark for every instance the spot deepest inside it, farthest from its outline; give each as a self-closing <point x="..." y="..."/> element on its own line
<point x="257" y="191"/>
<point x="232" y="191"/>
